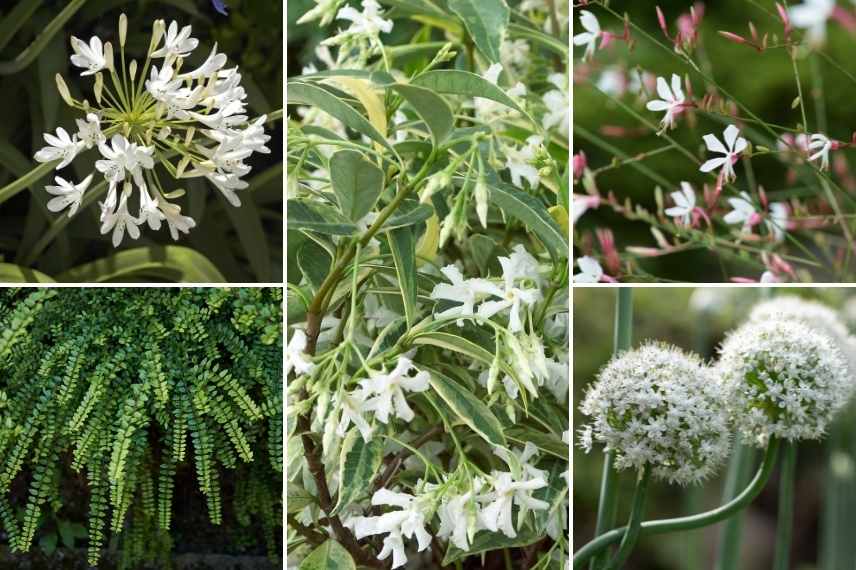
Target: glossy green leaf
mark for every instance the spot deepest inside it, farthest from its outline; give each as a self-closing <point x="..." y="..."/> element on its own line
<point x="359" y="462"/>
<point x="455" y="82"/>
<point x="486" y="22"/>
<point x="173" y="263"/>
<point x="329" y="556"/>
<point x="298" y="498"/>
<point x="486" y="541"/>
<point x="546" y="442"/>
<point x="468" y="408"/>
<point x="317" y="217"/>
<point x="533" y="214"/>
<point x="537" y="36"/>
<point x="410" y="212"/>
<point x="314" y="262"/>
<point x="402" y="244"/>
<point x="431" y="108"/>
<point x="455" y="343"/>
<point x="356" y="182"/>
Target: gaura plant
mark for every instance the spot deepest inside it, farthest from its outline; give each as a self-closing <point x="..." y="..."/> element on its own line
<point x="780" y="378"/>
<point x="131" y="391"/>
<point x="427" y="300"/>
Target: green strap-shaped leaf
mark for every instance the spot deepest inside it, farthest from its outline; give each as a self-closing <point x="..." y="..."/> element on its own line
<point x="359" y="462"/>
<point x="409" y="213"/>
<point x="329" y="556"/>
<point x="317" y="217"/>
<point x="533" y="214"/>
<point x="402" y="244"/>
<point x="356" y="182"/>
<point x="309" y="94"/>
<point x="449" y="341"/>
<point x="486" y="21"/>
<point x="486" y="541"/>
<point x="468" y="408"/>
<point x="455" y="82"/>
<point x="433" y="109"/>
<point x="172" y="262"/>
<point x="11" y="273"/>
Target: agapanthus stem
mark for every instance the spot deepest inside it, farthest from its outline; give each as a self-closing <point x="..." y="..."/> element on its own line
<point x="785" y="526"/>
<point x="691" y="522"/>
<point x="28" y="179"/>
<point x="635" y="522"/>
<point x="32" y="51"/>
<point x="621" y="341"/>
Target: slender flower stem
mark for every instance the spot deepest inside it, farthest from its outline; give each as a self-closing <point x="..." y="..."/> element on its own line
<point x="635" y="522"/>
<point x="785" y="528"/>
<point x="689" y="522"/>
<point x="728" y="552"/>
<point x="606" y="509"/>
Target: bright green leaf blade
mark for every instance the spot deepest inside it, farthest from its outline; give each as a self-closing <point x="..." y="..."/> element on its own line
<point x="359" y="462"/>
<point x="448" y="341"/>
<point x="314" y="263"/>
<point x="533" y="214"/>
<point x="402" y="244"/>
<point x="409" y="213"/>
<point x="486" y="541"/>
<point x="316" y="217"/>
<point x="251" y="233"/>
<point x="298" y="498"/>
<point x="546" y="442"/>
<point x="176" y="263"/>
<point x="10" y="273"/>
<point x="356" y="182"/>
<point x="537" y="36"/>
<point x="455" y="82"/>
<point x="433" y="109"/>
<point x="329" y="556"/>
<point x="486" y="21"/>
<point x="468" y="408"/>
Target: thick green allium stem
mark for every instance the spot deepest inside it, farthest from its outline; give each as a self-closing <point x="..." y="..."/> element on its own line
<point x="634" y="524"/>
<point x="691" y="522"/>
<point x="728" y="552"/>
<point x="785" y="528"/>
<point x="621" y="341"/>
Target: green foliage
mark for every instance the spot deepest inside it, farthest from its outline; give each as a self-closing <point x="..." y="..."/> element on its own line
<point x="109" y="384"/>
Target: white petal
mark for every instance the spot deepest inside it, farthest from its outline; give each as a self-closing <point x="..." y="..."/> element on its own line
<point x="712" y="164"/>
<point x="663" y="90"/>
<point x="730" y="135"/>
<point x="657" y="105"/>
<point x="713" y="144"/>
<point x="676" y="87"/>
<point x="589" y="22"/>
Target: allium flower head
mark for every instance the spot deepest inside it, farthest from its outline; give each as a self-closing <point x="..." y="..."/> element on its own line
<point x="659" y="407"/>
<point x="782" y="378"/>
<point x="191" y="123"/>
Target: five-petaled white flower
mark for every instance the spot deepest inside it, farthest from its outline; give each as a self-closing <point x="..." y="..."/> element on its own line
<point x="734" y="145"/>
<point x="89" y="57"/>
<point x="61" y="147"/>
<point x="496" y="516"/>
<point x="743" y="212"/>
<point x="684" y="203"/>
<point x="406" y="523"/>
<point x="671" y="101"/>
<point x="519" y="162"/>
<point x="590" y="36"/>
<point x="366" y="24"/>
<point x="354" y="405"/>
<point x="464" y="291"/>
<point x="812" y="16"/>
<point x="822" y="145"/>
<point x="388" y="390"/>
<point x="590" y="270"/>
<point x="295" y="357"/>
<point x="176" y="43"/>
<point x="68" y="195"/>
<point x="558" y="105"/>
<point x="512" y="296"/>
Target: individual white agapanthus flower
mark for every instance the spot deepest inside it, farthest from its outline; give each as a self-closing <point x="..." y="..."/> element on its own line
<point x="782" y="378"/>
<point x="397" y="525"/>
<point x="734" y="145"/>
<point x="660" y="408"/>
<point x="139" y="122"/>
<point x="67" y="195"/>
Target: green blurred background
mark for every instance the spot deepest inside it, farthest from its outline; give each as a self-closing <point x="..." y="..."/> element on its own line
<point x="763" y="82"/>
<point x="697" y="319"/>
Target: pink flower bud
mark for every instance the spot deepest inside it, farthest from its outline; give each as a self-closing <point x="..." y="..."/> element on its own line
<point x="579" y="164"/>
<point x="733" y="37"/>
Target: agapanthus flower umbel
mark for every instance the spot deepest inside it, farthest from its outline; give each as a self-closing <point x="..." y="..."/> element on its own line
<point x="658" y="407"/>
<point x="141" y="119"/>
<point x="782" y="378"/>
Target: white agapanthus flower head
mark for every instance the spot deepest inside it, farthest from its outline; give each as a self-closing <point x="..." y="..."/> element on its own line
<point x="782" y="378"/>
<point x="192" y="123"/>
<point x="658" y="407"/>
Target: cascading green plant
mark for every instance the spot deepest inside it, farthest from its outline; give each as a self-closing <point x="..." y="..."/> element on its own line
<point x="125" y="388"/>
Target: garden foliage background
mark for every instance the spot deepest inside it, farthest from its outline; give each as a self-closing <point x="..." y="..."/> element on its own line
<point x="696" y="320"/>
<point x="228" y="244"/>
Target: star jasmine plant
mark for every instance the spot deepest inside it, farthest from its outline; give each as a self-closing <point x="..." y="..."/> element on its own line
<point x="151" y="121"/>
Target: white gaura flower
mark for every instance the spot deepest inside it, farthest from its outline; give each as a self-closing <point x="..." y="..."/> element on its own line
<point x="778" y="220"/>
<point x="464" y="291"/>
<point x="68" y="195"/>
<point x="89" y="57"/>
<point x="519" y="162"/>
<point x="295" y="357"/>
<point x="405" y="523"/>
<point x="61" y="147"/>
<point x="388" y="390"/>
<point x="176" y="43"/>
<point x="821" y="145"/>
<point x="684" y="203"/>
<point x="512" y="297"/>
<point x="496" y="515"/>
<point x="558" y="105"/>
<point x="734" y="145"/>
<point x="119" y="221"/>
<point x="743" y="212"/>
<point x="89" y="130"/>
<point x="590" y="270"/>
<point x="812" y="16"/>
<point x="671" y="101"/>
<point x="590" y="36"/>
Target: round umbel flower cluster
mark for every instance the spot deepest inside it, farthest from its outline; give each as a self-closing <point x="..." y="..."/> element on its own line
<point x="659" y="407"/>
<point x="782" y="378"/>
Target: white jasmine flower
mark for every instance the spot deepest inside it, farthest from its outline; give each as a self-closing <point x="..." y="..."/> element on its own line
<point x="558" y="105"/>
<point x="743" y="212"/>
<point x="89" y="57"/>
<point x="89" y="131"/>
<point x="324" y="10"/>
<point x="684" y="203"/>
<point x="366" y="24"/>
<point x="457" y="515"/>
<point x="782" y="378"/>
<point x="68" y="195"/>
<point x="496" y="515"/>
<point x="295" y="357"/>
<point x="590" y="270"/>
<point x="388" y="390"/>
<point x="492" y="73"/>
<point x="558" y="379"/>
<point x="512" y="296"/>
<point x="353" y="407"/>
<point x="659" y="408"/>
<point x="734" y="145"/>
<point x="176" y="43"/>
<point x="464" y="291"/>
<point x="590" y="36"/>
<point x="61" y="147"/>
<point x="812" y="16"/>
<point x="822" y="145"/>
<point x="406" y="523"/>
<point x="671" y="100"/>
<point x="514" y="53"/>
<point x="519" y="162"/>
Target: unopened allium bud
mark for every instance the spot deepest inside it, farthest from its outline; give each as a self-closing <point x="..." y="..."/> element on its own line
<point x="782" y="378"/>
<point x="658" y="407"/>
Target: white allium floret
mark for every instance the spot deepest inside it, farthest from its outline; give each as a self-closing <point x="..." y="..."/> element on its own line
<point x="782" y="378"/>
<point x="659" y="407"/>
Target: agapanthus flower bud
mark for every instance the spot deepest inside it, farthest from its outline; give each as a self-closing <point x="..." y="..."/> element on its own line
<point x="660" y="408"/>
<point x="782" y="378"/>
